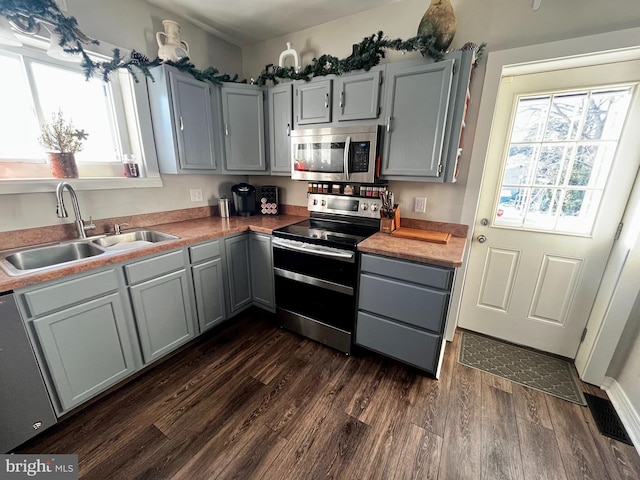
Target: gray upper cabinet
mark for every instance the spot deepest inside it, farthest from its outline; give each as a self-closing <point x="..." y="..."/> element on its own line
<point x="416" y="106"/>
<point x="262" y="271"/>
<point x="182" y="113"/>
<point x="238" y="272"/>
<point x="458" y="102"/>
<point x="161" y="300"/>
<point x="243" y="128"/>
<point x="280" y="125"/>
<point x="357" y="97"/>
<point x="313" y="101"/>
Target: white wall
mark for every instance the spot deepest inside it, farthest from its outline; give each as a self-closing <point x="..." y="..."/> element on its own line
<point x="501" y="23"/>
<point x="132" y="24"/>
<point x="626" y="362"/>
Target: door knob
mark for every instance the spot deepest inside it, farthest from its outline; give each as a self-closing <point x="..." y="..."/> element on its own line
<point x="481" y="238"/>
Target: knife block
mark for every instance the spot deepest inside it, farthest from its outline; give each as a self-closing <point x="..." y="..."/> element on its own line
<point x="388" y="225"/>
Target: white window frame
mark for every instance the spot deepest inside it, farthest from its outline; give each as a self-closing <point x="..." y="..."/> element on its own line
<point x="136" y="109"/>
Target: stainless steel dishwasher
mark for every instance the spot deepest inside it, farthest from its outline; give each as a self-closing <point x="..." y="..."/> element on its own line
<point x="25" y="407"/>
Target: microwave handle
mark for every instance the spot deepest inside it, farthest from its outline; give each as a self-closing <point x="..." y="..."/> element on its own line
<point x="347" y="147"/>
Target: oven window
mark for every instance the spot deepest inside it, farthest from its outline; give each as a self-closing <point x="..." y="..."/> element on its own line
<point x="315" y="266"/>
<point x="323" y="157"/>
<point x="329" y="307"/>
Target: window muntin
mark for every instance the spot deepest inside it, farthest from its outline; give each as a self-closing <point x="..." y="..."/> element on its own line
<point x="559" y="156"/>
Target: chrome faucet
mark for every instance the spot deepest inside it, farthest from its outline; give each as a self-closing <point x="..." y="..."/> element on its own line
<point x="61" y="211"/>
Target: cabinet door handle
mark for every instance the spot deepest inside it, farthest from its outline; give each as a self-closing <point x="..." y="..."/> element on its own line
<point x="341" y="103"/>
<point x="226" y="129"/>
<point x="326" y="100"/>
<point x="347" y="149"/>
<point x="181" y="124"/>
<point x="388" y="124"/>
<point x="288" y="129"/>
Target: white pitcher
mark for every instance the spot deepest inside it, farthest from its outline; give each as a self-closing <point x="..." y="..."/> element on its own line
<point x="172" y="48"/>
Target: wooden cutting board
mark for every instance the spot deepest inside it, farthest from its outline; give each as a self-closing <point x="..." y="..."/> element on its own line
<point x="424" y="235"/>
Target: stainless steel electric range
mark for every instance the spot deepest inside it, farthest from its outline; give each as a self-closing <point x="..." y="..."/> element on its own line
<point x="316" y="267"/>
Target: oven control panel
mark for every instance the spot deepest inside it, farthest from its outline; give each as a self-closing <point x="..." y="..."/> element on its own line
<point x="338" y="204"/>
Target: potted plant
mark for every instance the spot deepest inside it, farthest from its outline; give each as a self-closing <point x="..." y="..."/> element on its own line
<point x="62" y="140"/>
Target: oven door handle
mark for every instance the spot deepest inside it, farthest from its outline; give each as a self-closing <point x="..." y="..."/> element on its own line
<point x="347" y="147"/>
<point x="315" y="250"/>
<point x="316" y="282"/>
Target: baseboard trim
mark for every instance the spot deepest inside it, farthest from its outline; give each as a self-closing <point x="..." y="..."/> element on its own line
<point x="628" y="416"/>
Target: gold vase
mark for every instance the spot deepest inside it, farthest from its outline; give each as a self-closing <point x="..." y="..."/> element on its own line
<point x="440" y="21"/>
<point x="63" y="165"/>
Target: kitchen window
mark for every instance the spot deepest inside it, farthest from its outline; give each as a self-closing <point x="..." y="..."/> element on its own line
<point x="34" y="86"/>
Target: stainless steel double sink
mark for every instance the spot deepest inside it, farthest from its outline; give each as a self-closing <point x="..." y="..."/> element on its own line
<point x="30" y="259"/>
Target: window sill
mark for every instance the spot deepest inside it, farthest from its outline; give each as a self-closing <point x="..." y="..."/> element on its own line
<point x="41" y="185"/>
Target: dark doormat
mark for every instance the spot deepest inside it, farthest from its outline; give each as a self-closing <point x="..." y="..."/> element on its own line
<point x="607" y="419"/>
<point x="536" y="370"/>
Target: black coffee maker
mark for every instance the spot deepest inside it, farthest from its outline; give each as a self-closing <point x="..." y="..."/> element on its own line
<point x="244" y="199"/>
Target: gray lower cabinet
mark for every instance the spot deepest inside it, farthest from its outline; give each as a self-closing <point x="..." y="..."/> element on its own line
<point x="87" y="348"/>
<point x="88" y="335"/>
<point x="159" y="288"/>
<point x="208" y="283"/>
<point x="402" y="309"/>
<point x="243" y="128"/>
<point x="280" y="126"/>
<point x="262" y="283"/>
<point x="238" y="272"/>
<point x="82" y="334"/>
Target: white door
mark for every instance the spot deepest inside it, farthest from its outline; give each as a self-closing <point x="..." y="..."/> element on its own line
<point x="557" y="177"/>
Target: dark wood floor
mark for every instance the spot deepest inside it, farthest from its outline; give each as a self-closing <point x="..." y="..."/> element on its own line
<point x="252" y="401"/>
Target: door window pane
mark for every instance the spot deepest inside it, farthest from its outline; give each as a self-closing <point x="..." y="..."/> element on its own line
<point x="554" y="182"/>
<point x="542" y="209"/>
<point x="520" y="164"/>
<point x="606" y="114"/>
<point x="565" y="117"/>
<point x="510" y="209"/>
<point x="530" y="119"/>
<point x="553" y="164"/>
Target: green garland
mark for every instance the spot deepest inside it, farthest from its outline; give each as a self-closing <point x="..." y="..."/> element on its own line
<point x="367" y="54"/>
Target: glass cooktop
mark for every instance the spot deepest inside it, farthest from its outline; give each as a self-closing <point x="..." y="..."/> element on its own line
<point x="326" y="232"/>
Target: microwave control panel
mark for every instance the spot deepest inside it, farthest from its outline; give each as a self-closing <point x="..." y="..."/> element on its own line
<point x="360" y="156"/>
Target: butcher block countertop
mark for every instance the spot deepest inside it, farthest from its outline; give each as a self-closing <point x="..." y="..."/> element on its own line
<point x="189" y="231"/>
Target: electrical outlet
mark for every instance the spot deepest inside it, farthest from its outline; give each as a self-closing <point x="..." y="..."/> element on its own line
<point x="420" y="204"/>
<point x="196" y="194"/>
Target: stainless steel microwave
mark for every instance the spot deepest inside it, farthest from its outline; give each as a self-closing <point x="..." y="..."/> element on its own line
<point x="340" y="154"/>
